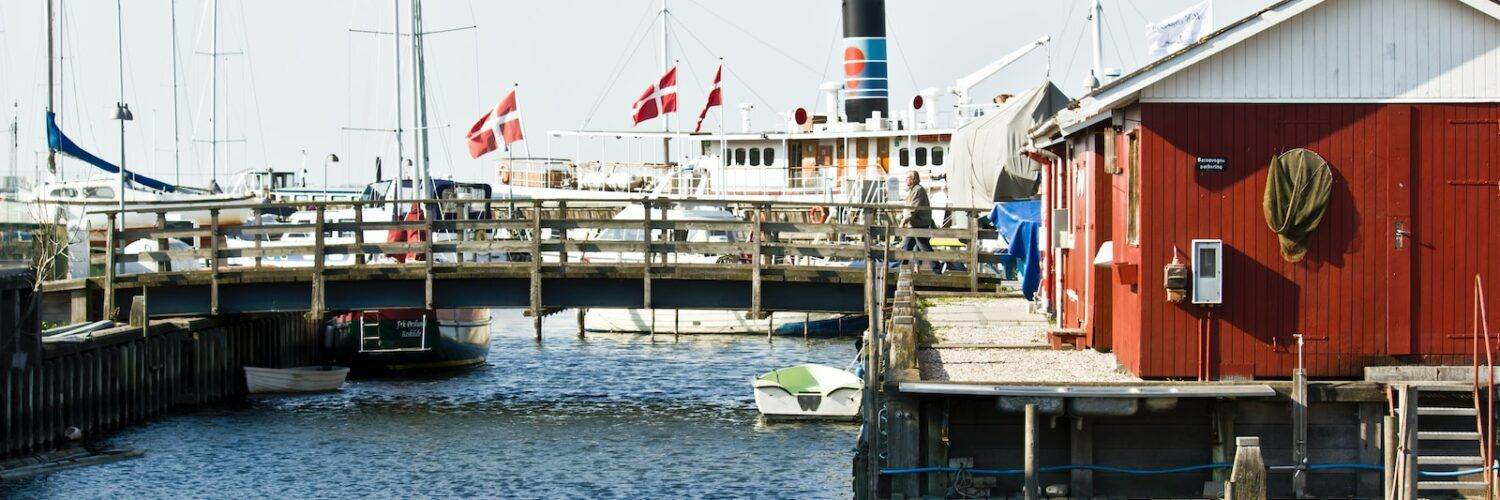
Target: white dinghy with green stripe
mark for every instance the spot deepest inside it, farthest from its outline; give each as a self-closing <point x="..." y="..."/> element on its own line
<point x="808" y="391"/>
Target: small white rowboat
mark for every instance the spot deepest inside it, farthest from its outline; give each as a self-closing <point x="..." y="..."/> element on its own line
<point x="808" y="391"/>
<point x="298" y="379"/>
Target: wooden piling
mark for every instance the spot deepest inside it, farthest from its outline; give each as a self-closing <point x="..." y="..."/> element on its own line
<point x="581" y="313"/>
<point x="1033" y="488"/>
<point x="536" y="269"/>
<point x="1247" y="480"/>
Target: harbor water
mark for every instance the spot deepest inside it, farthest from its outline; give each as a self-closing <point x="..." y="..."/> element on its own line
<point x="609" y="416"/>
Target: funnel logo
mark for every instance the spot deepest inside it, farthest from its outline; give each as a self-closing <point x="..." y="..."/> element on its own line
<point x="865" y="68"/>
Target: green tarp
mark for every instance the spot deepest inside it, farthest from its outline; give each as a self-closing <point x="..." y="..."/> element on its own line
<point x="1297" y="190"/>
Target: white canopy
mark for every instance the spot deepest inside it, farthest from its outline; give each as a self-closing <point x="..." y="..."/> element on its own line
<point x="985" y="164"/>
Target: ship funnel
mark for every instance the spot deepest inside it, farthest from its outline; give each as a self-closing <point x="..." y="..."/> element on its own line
<point x="867" y="90"/>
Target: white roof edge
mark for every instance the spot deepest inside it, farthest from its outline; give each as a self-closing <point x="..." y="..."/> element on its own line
<point x="1125" y="91"/>
<point x="751" y="135"/>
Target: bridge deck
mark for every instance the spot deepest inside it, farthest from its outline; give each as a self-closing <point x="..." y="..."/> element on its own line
<point x="763" y="266"/>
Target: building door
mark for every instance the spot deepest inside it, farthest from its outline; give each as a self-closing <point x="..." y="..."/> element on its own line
<point x="1453" y="239"/>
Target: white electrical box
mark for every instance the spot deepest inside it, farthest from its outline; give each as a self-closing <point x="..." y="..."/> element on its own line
<point x="1208" y="272"/>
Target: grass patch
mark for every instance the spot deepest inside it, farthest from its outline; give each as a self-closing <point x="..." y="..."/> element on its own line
<point x="926" y="337"/>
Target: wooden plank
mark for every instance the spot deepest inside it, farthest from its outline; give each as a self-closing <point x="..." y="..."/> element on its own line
<point x="213" y="261"/>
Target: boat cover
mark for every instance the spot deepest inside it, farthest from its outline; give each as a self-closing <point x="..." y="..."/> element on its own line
<point x="1018" y="222"/>
<point x="985" y="164"/>
<point x="1297" y="189"/>
<point x="59" y="142"/>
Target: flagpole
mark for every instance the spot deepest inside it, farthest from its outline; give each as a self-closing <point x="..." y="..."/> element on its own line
<point x="524" y="143"/>
<point x="723" y="141"/>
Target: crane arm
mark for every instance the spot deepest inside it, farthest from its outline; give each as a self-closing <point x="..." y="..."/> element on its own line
<point x="963" y="85"/>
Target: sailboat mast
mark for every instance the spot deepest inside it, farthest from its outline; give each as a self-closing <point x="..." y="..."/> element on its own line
<point x="51" y="85"/>
<point x="213" y="119"/>
<point x="176" y="138"/>
<point x="419" y="75"/>
<point x="396" y="50"/>
<point x="666" y="118"/>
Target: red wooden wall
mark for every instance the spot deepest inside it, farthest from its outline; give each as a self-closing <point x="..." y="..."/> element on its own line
<point x="1425" y="165"/>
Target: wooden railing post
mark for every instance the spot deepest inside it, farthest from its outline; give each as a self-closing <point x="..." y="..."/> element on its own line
<point x="562" y="250"/>
<point x="536" y="267"/>
<point x="109" y="264"/>
<point x="973" y="219"/>
<point x="646" y="259"/>
<point x="163" y="262"/>
<point x="359" y="233"/>
<point x="319" y="298"/>
<point x="427" y="251"/>
<point x="213" y="261"/>
<point x="758" y="233"/>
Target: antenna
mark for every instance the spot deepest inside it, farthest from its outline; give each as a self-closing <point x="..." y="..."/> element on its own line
<point x="1096" y="73"/>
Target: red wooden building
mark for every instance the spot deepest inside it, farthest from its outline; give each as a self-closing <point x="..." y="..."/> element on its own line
<point x="1400" y="97"/>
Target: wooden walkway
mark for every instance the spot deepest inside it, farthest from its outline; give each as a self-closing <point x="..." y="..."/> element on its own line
<point x="512" y="253"/>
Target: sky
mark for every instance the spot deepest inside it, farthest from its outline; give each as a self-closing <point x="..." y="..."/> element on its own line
<point x="298" y="76"/>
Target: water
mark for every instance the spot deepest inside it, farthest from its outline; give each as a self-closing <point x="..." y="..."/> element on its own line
<point x="611" y="416"/>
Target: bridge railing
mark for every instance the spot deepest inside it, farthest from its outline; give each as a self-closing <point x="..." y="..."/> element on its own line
<point x="755" y="236"/>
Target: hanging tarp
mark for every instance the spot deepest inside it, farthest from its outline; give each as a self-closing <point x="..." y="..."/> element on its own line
<point x="59" y="142"/>
<point x="1019" y="222"/>
<point x="1297" y="189"/>
<point x="985" y="164"/>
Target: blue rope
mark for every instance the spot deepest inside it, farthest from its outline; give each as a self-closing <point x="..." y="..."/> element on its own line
<point x="1152" y="472"/>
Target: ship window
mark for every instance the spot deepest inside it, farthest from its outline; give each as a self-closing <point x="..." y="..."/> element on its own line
<point x="921" y="157"/>
<point x="725" y="154"/>
<point x="937" y="155"/>
<point x="769" y="156"/>
<point x="754" y="157"/>
<point x="99" y="193"/>
<point x="905" y="156"/>
<point x="64" y="193"/>
<point x="739" y="156"/>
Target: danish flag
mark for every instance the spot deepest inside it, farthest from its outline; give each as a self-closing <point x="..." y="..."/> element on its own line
<point x="715" y="98"/>
<point x="658" y="99"/>
<point x="504" y="121"/>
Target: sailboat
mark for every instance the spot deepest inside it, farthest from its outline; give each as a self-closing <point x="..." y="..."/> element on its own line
<point x="80" y="202"/>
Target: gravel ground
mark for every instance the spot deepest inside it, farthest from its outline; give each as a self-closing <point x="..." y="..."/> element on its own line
<point x="1019" y="352"/>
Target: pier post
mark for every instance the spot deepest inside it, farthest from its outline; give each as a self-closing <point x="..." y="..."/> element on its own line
<point x="1371" y="449"/>
<point x="1299" y="432"/>
<point x="935" y="418"/>
<point x="213" y="261"/>
<point x="904" y="447"/>
<point x="973" y="220"/>
<point x="1033" y="486"/>
<point x="1081" y="442"/>
<point x="759" y="235"/>
<point x="536" y="268"/>
<point x="1389" y="443"/>
<point x="581" y="313"/>
<point x="1247" y="480"/>
<point x="163" y="263"/>
<point x="110" y="243"/>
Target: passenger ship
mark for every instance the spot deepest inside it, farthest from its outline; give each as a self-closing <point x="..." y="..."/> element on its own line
<point x="854" y="150"/>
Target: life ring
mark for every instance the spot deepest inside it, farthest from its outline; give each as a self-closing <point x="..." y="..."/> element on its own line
<point x="817" y="214"/>
<point x="505" y="176"/>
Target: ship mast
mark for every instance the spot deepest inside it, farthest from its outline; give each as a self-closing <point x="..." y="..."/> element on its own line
<point x="666" y="118"/>
<point x="419" y="101"/>
<point x="396" y="50"/>
<point x="213" y="119"/>
<point x="51" y="86"/>
<point x="176" y="138"/>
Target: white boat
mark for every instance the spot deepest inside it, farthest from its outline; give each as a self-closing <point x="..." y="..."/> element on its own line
<point x="721" y="322"/>
<point x="808" y="391"/>
<point x="298" y="379"/>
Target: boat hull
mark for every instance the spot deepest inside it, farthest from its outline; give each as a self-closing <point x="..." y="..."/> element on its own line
<point x="776" y="403"/>
<point x="290" y="380"/>
<point x="411" y="341"/>
<point x="721" y="322"/>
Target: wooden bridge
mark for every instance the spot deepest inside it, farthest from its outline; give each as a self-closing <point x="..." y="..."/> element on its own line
<point x="537" y="254"/>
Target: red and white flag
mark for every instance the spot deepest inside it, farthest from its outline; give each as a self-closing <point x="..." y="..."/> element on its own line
<point x="503" y="123"/>
<point x="658" y="99"/>
<point x="715" y="98"/>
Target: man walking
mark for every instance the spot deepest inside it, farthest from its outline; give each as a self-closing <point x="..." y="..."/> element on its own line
<point x="918" y="215"/>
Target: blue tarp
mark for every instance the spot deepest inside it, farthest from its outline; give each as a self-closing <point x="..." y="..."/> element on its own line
<point x="58" y="142"/>
<point x="1018" y="222"/>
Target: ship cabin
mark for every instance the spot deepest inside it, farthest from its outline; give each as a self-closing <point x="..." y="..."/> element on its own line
<point x="814" y="162"/>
